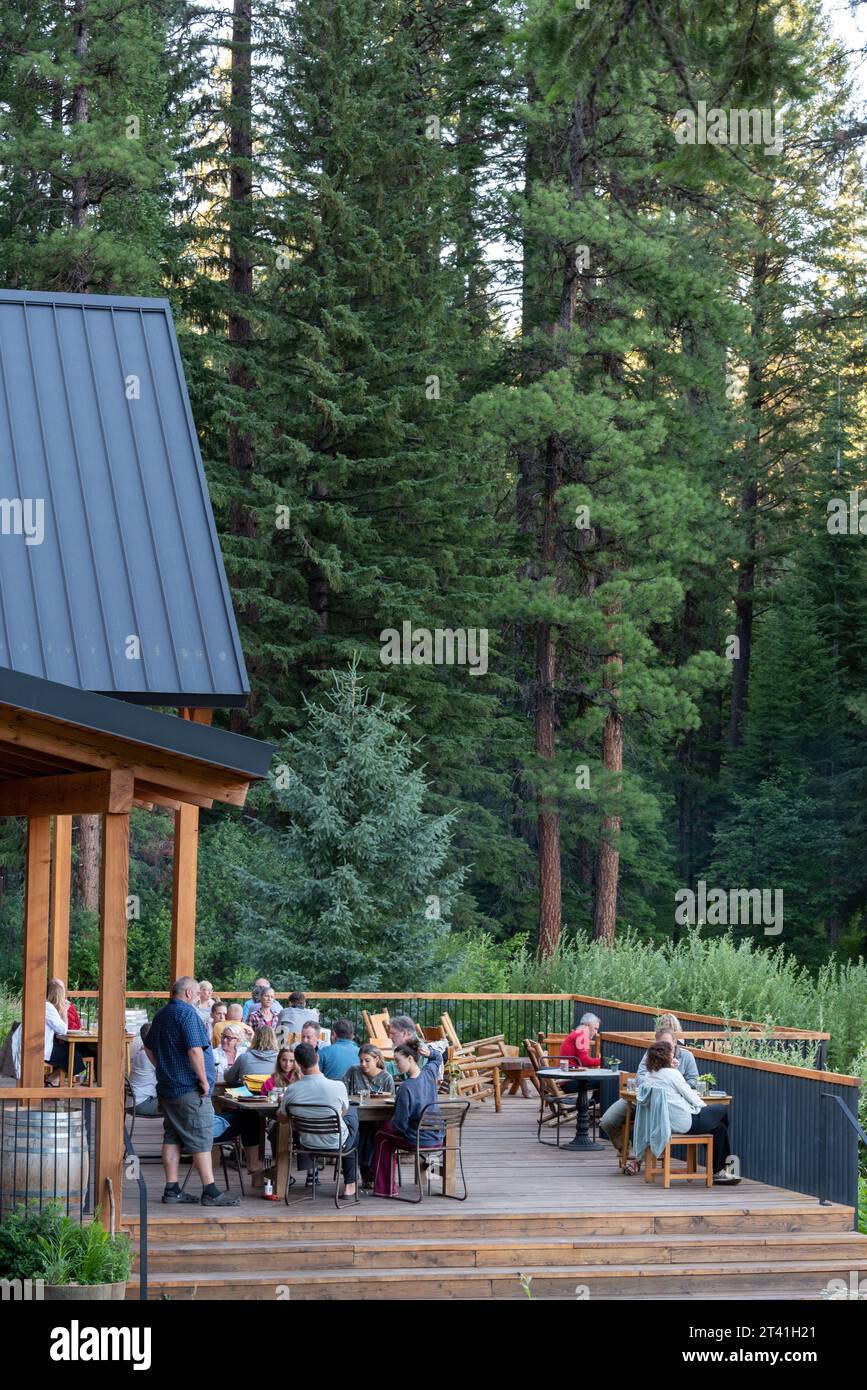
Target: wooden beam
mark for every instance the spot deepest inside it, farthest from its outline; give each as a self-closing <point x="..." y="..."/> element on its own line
<point x="112" y="1003"/>
<point x="93" y="750"/>
<point x="71" y="794"/>
<point x="36" y="900"/>
<point x="184" y="876"/>
<point x="170" y="796"/>
<point x="61" y="886"/>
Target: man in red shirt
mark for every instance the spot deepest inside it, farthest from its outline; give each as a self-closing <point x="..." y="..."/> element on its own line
<point x="576" y="1048"/>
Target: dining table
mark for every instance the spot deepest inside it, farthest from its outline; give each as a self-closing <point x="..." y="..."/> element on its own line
<point x="90" y="1036"/>
<point x="371" y="1110"/>
<point x="628" y="1094"/>
<point x="586" y="1077"/>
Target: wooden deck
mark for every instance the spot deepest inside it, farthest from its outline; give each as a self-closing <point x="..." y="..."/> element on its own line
<point x="569" y="1220"/>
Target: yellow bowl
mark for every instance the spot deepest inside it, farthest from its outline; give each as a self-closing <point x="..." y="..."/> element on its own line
<point x="255" y="1083"/>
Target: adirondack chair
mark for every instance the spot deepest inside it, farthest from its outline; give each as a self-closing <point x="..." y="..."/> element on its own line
<point x="377" y="1027"/>
<point x="495" y="1046"/>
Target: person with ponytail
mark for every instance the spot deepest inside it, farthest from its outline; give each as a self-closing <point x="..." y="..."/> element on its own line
<point x="417" y="1091"/>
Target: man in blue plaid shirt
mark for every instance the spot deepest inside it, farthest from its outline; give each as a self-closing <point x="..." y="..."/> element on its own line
<point x="178" y="1047"/>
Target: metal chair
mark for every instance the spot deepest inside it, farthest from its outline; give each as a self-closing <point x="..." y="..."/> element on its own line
<point x="321" y="1120"/>
<point x="129" y="1105"/>
<point x="230" y="1149"/>
<point x="554" y="1104"/>
<point x="437" y="1120"/>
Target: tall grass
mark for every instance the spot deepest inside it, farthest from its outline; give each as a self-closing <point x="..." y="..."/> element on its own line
<point x="718" y="975"/>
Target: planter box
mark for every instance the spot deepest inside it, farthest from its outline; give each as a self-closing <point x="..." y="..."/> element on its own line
<point x="67" y="1293"/>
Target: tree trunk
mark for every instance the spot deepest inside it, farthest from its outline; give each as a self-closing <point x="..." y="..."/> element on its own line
<point x="745" y="596"/>
<point x="87" y="869"/>
<point x="78" y="276"/>
<point x="241" y="455"/>
<point x="608" y="857"/>
<point x="548" y="820"/>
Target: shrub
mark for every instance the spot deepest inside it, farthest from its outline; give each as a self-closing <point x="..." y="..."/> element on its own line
<point x="44" y="1243"/>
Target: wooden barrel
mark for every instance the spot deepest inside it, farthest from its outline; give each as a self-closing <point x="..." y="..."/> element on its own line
<point x="43" y="1155"/>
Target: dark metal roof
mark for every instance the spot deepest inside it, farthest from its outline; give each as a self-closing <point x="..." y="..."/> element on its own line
<point x="120" y="719"/>
<point x="129" y="548"/>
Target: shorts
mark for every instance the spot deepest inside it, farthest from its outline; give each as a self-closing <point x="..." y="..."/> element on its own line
<point x="188" y="1120"/>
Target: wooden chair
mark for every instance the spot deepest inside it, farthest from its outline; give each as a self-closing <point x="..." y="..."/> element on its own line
<point x="629" y="1097"/>
<point x="692" y="1143"/>
<point x="377" y="1027"/>
<point x="478" y="1078"/>
<point x="554" y="1104"/>
<point x="495" y="1046"/>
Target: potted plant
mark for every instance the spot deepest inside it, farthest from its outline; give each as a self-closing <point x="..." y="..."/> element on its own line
<point x="454" y="1073"/>
<point x="68" y="1261"/>
<point x="705" y="1082"/>
<point x="612" y="1062"/>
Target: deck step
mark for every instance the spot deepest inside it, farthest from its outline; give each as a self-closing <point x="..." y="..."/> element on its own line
<point x="373" y="1220"/>
<point x="516" y="1252"/>
<point x="767" y="1279"/>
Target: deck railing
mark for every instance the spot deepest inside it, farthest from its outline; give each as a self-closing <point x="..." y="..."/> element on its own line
<point x="516" y="1016"/>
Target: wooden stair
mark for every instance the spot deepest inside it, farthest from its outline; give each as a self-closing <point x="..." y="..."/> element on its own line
<point x="377" y="1252"/>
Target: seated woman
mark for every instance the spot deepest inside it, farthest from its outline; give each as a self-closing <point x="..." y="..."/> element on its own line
<point x="267" y="1012"/>
<point x="687" y="1111"/>
<point x="231" y="1045"/>
<point x="418" y="1090"/>
<point x="285" y="1072"/>
<point x="369" y="1074"/>
<point x="258" y="1060"/>
<point x="57" y="1008"/>
<point x="73" y="1020"/>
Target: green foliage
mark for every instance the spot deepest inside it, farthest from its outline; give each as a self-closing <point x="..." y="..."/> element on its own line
<point x="44" y="1243"/>
<point x="720" y="976"/>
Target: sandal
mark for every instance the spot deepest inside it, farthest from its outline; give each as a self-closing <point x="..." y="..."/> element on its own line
<point x="631" y="1168"/>
<point x="173" y="1199"/>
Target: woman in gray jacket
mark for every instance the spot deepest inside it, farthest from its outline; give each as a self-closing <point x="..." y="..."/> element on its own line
<point x="259" y="1059"/>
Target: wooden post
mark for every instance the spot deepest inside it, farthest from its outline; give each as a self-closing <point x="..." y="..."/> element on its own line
<point x="61" y="886"/>
<point x="36" y="899"/>
<point x="184" y="877"/>
<point x="112" y="1003"/>
<point x="186" y="852"/>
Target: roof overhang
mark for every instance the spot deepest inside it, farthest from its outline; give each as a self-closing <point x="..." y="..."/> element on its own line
<point x="58" y="732"/>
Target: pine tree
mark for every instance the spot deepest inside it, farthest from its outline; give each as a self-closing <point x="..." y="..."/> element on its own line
<point x="357" y="896"/>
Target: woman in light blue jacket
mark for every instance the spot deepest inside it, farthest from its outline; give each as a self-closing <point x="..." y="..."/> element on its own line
<point x="687" y="1111"/>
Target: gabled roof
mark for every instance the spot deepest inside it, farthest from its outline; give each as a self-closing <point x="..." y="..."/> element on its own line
<point x="97" y="436"/>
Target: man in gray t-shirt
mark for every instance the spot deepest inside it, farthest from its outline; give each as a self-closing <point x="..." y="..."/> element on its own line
<point x="329" y="1097"/>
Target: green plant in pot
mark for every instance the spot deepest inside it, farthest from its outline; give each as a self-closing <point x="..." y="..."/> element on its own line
<point x="613" y="1063"/>
<point x="704" y="1083"/>
<point x="72" y="1261"/>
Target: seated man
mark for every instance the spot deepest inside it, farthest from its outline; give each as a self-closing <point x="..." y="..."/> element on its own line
<point x="403" y="1030"/>
<point x="143" y="1080"/>
<point x="576" y="1047"/>
<point x="614" y="1119"/>
<point x="296" y="1013"/>
<point x="235" y="1017"/>
<point x="310" y="1036"/>
<point x="336" y="1060"/>
<point x="329" y="1096"/>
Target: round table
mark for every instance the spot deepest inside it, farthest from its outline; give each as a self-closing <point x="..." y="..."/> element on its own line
<point x="585" y="1076"/>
